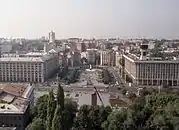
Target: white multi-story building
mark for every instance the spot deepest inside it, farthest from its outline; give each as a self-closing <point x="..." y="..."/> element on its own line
<point x="118" y="59"/>
<point x="9" y="55"/>
<point x="81" y="47"/>
<point x="107" y="58"/>
<point x="5" y="47"/>
<point x="91" y="56"/>
<point x="151" y="72"/>
<point x="51" y="37"/>
<point x="28" y="68"/>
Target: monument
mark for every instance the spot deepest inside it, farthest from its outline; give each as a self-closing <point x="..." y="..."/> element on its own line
<point x="90" y="68"/>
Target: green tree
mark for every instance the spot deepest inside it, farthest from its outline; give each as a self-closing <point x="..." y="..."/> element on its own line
<point x="91" y="117"/>
<point x="108" y="46"/>
<point x="57" y="120"/>
<point x="95" y="117"/>
<point x="156" y="52"/>
<point x="60" y="97"/>
<point x="50" y="109"/>
<point x="37" y="124"/>
<point x="69" y="113"/>
<point x="82" y="120"/>
<point x="40" y="109"/>
<point x="106" y="77"/>
<point x="104" y="112"/>
<point x="115" y="120"/>
<point x="155" y="111"/>
<point x="131" y="96"/>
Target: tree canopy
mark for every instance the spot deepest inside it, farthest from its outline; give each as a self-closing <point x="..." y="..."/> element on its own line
<point x="37" y="124"/>
<point x="156" y="111"/>
<point x="47" y="113"/>
<point x="149" y="112"/>
<point x="58" y="116"/>
<point x="50" y="109"/>
<point x="91" y="117"/>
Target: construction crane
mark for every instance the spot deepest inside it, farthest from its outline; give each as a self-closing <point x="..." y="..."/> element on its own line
<point x="89" y="82"/>
<point x="99" y="96"/>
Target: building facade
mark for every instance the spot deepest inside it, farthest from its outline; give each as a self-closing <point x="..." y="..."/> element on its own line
<point x="91" y="56"/>
<point x="28" y="69"/>
<point x="81" y="47"/>
<point x="118" y="58"/>
<point x="51" y="37"/>
<point x="107" y="58"/>
<point x="5" y="47"/>
<point x="15" y="105"/>
<point x="152" y="72"/>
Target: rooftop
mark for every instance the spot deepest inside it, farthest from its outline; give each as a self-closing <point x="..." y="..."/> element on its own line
<point x="18" y="90"/>
<point x="35" y="54"/>
<point x="84" y="97"/>
<point x="25" y="59"/>
<point x="134" y="58"/>
<point x="9" y="55"/>
<point x="7" y="128"/>
<point x="92" y="49"/>
<point x="18" y="105"/>
<point x="131" y="56"/>
<point x="14" y="97"/>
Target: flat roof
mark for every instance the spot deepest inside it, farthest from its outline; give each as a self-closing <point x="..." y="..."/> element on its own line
<point x="7" y="128"/>
<point x="6" y="97"/>
<point x="84" y="97"/>
<point x="14" y="89"/>
<point x="92" y="49"/>
<point x="14" y="97"/>
<point x="25" y="59"/>
<point x="35" y="53"/>
<point x="133" y="58"/>
<point x="18" y="105"/>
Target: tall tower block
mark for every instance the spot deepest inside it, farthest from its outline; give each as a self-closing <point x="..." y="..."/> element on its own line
<point x="51" y="37"/>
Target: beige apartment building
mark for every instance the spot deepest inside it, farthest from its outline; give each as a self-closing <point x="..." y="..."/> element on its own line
<point x="152" y="72"/>
<point x="91" y="56"/>
<point x="28" y="69"/>
<point x="107" y="58"/>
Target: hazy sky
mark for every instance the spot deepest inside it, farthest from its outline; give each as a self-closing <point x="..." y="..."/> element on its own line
<point x="90" y="18"/>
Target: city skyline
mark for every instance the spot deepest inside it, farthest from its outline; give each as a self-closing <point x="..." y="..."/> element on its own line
<point x="90" y="18"/>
